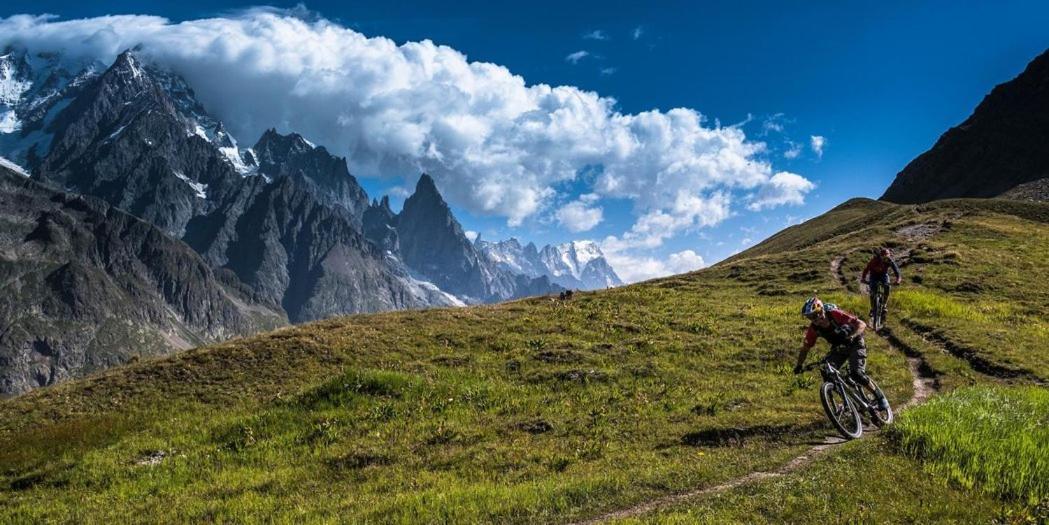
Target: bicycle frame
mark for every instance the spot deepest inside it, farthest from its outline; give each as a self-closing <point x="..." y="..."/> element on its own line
<point x="833" y="375"/>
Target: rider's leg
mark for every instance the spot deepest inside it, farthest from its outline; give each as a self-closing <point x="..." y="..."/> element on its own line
<point x="837" y="357"/>
<point x="885" y="295"/>
<point x="858" y="371"/>
<point x="872" y="292"/>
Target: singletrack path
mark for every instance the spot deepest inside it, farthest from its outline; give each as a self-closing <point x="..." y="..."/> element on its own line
<point x="924" y="386"/>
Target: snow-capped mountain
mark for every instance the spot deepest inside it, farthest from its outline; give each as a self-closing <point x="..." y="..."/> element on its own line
<point x="34" y="89"/>
<point x="574" y="265"/>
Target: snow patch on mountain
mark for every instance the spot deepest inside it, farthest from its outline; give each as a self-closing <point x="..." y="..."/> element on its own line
<point x="13" y="84"/>
<point x="34" y="88"/>
<point x="198" y="187"/>
<point x="13" y="167"/>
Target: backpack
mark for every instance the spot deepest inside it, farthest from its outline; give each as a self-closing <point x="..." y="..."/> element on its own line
<point x="839" y="332"/>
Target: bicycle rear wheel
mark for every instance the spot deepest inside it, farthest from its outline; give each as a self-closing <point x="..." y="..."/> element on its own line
<point x="878" y="416"/>
<point x="840" y="410"/>
<point x="878" y="319"/>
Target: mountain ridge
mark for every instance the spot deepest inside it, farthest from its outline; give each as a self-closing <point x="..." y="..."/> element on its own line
<point x="998" y="147"/>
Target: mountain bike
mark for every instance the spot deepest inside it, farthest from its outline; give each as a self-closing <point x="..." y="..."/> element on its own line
<point x="848" y="403"/>
<point x="879" y="311"/>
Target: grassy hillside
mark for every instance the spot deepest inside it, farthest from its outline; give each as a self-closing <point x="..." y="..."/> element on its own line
<point x="541" y="409"/>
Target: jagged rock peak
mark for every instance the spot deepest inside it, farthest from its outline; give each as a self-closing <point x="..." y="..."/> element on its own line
<point x="426" y="187"/>
<point x="271" y="140"/>
<point x="127" y="66"/>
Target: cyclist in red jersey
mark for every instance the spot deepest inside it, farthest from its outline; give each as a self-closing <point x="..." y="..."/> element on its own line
<point x="876" y="275"/>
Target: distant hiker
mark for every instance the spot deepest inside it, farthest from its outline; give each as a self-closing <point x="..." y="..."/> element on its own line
<point x="568" y="295"/>
<point x="844" y="332"/>
<point x="876" y="275"/>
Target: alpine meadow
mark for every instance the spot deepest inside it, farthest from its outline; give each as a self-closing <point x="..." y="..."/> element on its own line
<point x="551" y="324"/>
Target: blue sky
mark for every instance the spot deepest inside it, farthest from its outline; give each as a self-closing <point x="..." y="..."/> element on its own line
<point x="880" y="82"/>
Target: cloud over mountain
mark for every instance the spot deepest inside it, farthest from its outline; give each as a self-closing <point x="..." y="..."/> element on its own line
<point x="497" y="145"/>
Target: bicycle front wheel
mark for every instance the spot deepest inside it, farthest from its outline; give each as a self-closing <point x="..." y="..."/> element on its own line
<point x="840" y="410"/>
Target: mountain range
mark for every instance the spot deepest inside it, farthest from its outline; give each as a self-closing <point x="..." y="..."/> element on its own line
<point x="282" y="230"/>
<point x="574" y="265"/>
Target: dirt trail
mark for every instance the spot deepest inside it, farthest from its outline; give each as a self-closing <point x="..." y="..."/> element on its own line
<point x="924" y="385"/>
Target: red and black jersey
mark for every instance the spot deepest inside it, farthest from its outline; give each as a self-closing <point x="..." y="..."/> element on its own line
<point x="842" y="324"/>
<point x="878" y="269"/>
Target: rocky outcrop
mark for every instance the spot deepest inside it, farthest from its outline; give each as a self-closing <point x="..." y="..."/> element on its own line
<point x="88" y="286"/>
<point x="1000" y="146"/>
<point x="1037" y="190"/>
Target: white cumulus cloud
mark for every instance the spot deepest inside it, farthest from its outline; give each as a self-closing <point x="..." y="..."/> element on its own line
<point x="633" y="268"/>
<point x="497" y="145"/>
<point x="579" y="216"/>
<point x="783" y="188"/>
<point x="596" y="34"/>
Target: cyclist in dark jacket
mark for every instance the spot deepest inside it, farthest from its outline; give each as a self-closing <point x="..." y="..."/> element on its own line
<point x="877" y="271"/>
<point x="844" y="332"/>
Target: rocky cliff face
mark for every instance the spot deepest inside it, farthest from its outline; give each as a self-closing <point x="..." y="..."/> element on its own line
<point x="89" y="286"/>
<point x="1000" y="146"/>
<point x="123" y="139"/>
<point x="292" y="249"/>
<point x="433" y="243"/>
<point x="292" y="156"/>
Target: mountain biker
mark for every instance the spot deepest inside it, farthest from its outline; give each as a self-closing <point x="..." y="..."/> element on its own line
<point x="844" y="332"/>
<point x="878" y="272"/>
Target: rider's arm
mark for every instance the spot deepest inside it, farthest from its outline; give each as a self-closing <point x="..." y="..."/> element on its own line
<point x="866" y="270"/>
<point x="810" y="340"/>
<point x="895" y="270"/>
<point x="860" y="328"/>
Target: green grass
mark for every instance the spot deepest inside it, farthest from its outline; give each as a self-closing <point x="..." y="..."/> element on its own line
<point x="994" y="438"/>
<point x="534" y="410"/>
<point x="860" y="483"/>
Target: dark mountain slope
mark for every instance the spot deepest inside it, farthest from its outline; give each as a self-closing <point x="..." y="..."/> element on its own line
<point x="289" y="248"/>
<point x="1000" y="146"/>
<point x="87" y="287"/>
